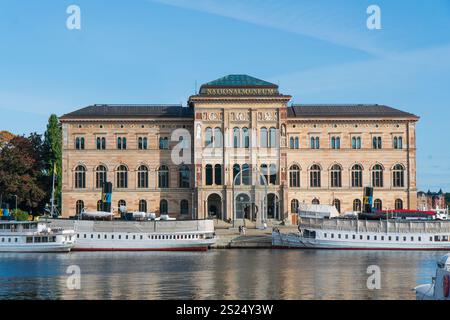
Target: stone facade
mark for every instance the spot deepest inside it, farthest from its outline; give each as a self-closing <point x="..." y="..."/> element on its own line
<point x="431" y="200"/>
<point x="258" y="130"/>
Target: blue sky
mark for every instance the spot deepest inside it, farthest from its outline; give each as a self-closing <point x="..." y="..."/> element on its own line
<point x="154" y="51"/>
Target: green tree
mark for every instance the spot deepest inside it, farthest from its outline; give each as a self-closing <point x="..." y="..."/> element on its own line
<point x="53" y="154"/>
<point x="22" y="173"/>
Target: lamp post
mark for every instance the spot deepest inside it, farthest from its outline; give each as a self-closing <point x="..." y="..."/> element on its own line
<point x="16" y="201"/>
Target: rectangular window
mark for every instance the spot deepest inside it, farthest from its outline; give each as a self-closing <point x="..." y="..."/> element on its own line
<point x="29" y="239"/>
<point x="163" y="143"/>
<point x="79" y="143"/>
<point x="122" y="143"/>
<point x="376" y="142"/>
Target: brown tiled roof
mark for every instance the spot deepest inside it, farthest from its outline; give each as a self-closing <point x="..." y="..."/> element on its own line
<point x="130" y="111"/>
<point x="347" y="111"/>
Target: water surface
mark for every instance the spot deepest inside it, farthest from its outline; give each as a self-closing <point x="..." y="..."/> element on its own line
<point x="216" y="274"/>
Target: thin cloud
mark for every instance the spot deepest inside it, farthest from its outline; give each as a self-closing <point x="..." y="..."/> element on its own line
<point x="336" y="24"/>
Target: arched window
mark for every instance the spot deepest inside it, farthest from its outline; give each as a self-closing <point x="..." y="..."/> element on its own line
<point x="79" y="205"/>
<point x="358" y="143"/>
<point x="103" y="143"/>
<point x="273" y="174"/>
<point x="398" y="175"/>
<point x="184" y="207"/>
<point x="297" y="143"/>
<point x="246" y="138"/>
<point x="246" y="175"/>
<point x="236" y="170"/>
<point x="273" y="137"/>
<point x="354" y="143"/>
<point x="333" y="143"/>
<point x="218" y="138"/>
<point x="163" y="207"/>
<point x="184" y="177"/>
<point x="357" y="205"/>
<point x="356" y="176"/>
<point x="99" y="143"/>
<point x="398" y="204"/>
<point x="142" y="206"/>
<point x="218" y="174"/>
<point x="99" y="205"/>
<point x="263" y="139"/>
<point x="377" y="176"/>
<point x="122" y="177"/>
<point x="142" y="177"/>
<point x="236" y="138"/>
<point x="338" y="143"/>
<point x="100" y="176"/>
<point x="315" y="201"/>
<point x="291" y="143"/>
<point x="337" y="204"/>
<point x="294" y="176"/>
<point x="336" y="176"/>
<point x="208" y="138"/>
<point x="163" y="143"/>
<point x="378" y="204"/>
<point x="163" y="177"/>
<point x="294" y="206"/>
<point x="80" y="177"/>
<point x="209" y="175"/>
<point x="315" y="176"/>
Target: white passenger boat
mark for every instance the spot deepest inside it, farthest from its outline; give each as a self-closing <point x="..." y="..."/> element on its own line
<point x="439" y="288"/>
<point x="341" y="233"/>
<point x="31" y="236"/>
<point x="197" y="235"/>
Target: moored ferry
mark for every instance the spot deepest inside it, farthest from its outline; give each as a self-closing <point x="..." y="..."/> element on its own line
<point x="340" y="233"/>
<point x="195" y="235"/>
<point x="32" y="236"/>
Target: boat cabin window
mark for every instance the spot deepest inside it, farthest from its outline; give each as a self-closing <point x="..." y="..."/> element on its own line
<point x="9" y="239"/>
<point x="106" y="236"/>
<point x="404" y="238"/>
<point x="382" y="238"/>
<point x="368" y="237"/>
<point x="306" y="234"/>
<point x="437" y="238"/>
<point x="420" y="238"/>
<point x="339" y="235"/>
<point x="92" y="236"/>
<point x="332" y="236"/>
<point x="85" y="235"/>
<point x="375" y="238"/>
<point x="354" y="237"/>
<point x="397" y="238"/>
<point x="142" y="237"/>
<point x="29" y="239"/>
<point x="16" y="240"/>
<point x="390" y="238"/>
<point x="412" y="238"/>
<point x="431" y="238"/>
<point x="324" y="235"/>
<point x="112" y="236"/>
<point x="444" y="238"/>
<point x="37" y="239"/>
<point x="360" y="237"/>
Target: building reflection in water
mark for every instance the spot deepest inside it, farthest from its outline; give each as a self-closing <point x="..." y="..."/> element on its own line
<point x="220" y="274"/>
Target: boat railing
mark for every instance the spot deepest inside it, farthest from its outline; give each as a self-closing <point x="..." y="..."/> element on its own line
<point x="395" y="226"/>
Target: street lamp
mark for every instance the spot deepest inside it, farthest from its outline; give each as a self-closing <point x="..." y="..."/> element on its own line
<point x="16" y="201"/>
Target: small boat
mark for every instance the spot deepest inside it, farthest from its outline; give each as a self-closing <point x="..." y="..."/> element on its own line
<point x="439" y="288"/>
<point x="102" y="215"/>
<point x="32" y="236"/>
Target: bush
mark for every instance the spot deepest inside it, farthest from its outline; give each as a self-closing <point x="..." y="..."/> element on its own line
<point x="19" y="215"/>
